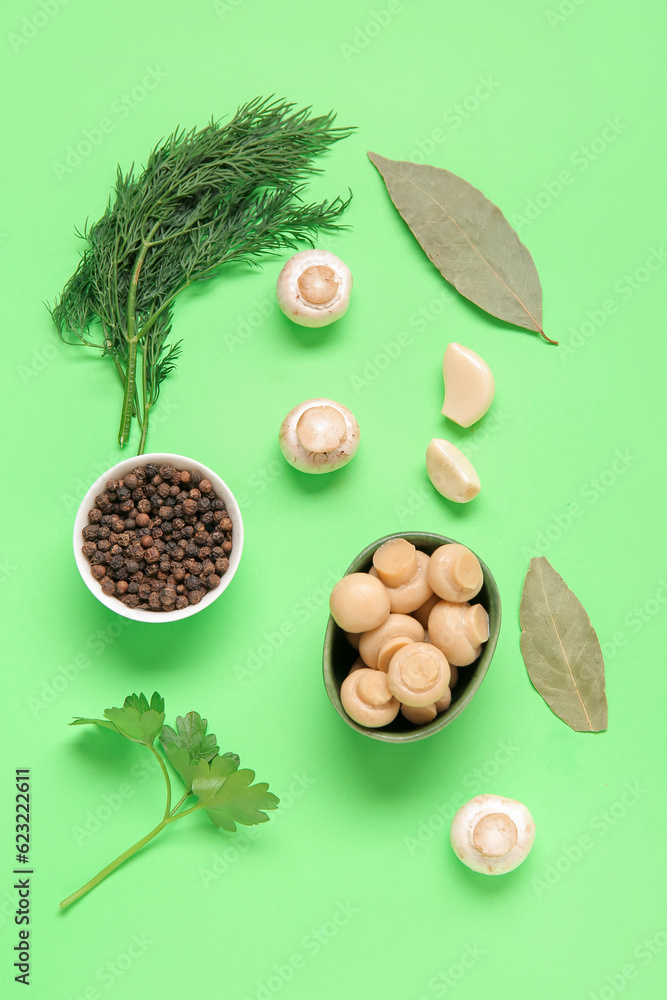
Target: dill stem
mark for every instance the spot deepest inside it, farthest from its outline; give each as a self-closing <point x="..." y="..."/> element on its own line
<point x="132" y="341"/>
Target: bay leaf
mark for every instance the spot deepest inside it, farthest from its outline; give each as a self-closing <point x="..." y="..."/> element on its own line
<point x="468" y="239"/>
<point x="561" y="649"/>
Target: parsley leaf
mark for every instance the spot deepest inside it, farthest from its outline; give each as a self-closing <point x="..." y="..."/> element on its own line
<point x="191" y="736"/>
<point x="228" y="795"/>
<point x="137" y="719"/>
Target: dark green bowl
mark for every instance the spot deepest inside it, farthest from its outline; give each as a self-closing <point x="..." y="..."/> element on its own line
<point x="339" y="655"/>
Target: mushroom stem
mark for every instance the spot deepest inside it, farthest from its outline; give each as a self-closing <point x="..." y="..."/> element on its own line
<point x="495" y="835"/>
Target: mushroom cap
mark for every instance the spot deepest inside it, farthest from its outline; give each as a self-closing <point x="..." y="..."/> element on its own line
<point x="492" y="834"/>
<point x="458" y="630"/>
<point x="359" y="602"/>
<point x="454" y="573"/>
<point x="425" y="713"/>
<point x="371" y="641"/>
<point x="366" y="698"/>
<point x="319" y="435"/>
<point x="422" y="613"/>
<point x="411" y="595"/>
<point x="313" y="288"/>
<point x="395" y="562"/>
<point x="418" y="674"/>
<point x="443" y="703"/>
<point x="388" y="648"/>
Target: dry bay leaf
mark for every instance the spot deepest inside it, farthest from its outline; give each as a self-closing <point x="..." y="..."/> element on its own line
<point x="561" y="650"/>
<point x="468" y="239"/>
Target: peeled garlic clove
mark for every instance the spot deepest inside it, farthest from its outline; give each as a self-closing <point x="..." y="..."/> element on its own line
<point x="451" y="472"/>
<point x="469" y="385"/>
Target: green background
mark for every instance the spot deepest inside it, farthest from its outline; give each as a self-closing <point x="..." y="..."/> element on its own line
<point x="354" y="874"/>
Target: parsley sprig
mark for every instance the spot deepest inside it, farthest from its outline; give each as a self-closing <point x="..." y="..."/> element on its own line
<point x="224" y="791"/>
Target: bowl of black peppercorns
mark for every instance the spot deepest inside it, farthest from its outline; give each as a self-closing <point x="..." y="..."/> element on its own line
<point x="158" y="537"/>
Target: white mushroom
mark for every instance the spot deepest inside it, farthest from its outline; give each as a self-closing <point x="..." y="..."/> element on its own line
<point x="314" y="287"/>
<point x="319" y="435"/>
<point x="492" y="834"/>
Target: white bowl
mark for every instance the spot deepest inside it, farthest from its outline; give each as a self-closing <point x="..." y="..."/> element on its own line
<point x="118" y="472"/>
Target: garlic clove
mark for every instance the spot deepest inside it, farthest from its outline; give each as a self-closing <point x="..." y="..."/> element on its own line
<point x="451" y="472"/>
<point x="469" y="385"/>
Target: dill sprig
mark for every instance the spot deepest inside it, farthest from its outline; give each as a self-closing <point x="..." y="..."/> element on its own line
<point x="227" y="192"/>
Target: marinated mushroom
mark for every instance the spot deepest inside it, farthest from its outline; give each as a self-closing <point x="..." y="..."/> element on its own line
<point x="492" y="834"/>
<point x="395" y="562"/>
<point x="454" y="573"/>
<point x="314" y="288"/>
<point x="367" y="699"/>
<point x="422" y="613"/>
<point x="452" y="474"/>
<point x="412" y="594"/>
<point x="418" y="716"/>
<point x="371" y="641"/>
<point x="359" y="602"/>
<point x="445" y="700"/>
<point x="319" y="435"/>
<point x="418" y="674"/>
<point x="388" y="648"/>
<point x="458" y="630"/>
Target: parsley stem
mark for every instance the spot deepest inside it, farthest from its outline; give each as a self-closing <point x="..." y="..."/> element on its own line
<point x="114" y="864"/>
<point x="128" y="853"/>
<point x="179" y="804"/>
<point x="163" y="768"/>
